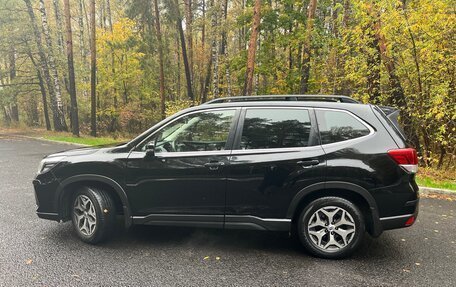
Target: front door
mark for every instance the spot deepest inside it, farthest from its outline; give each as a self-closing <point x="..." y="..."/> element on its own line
<point x="276" y="154"/>
<point x="186" y="179"/>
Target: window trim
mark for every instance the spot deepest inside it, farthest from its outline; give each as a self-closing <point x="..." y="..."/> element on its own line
<point x="228" y="145"/>
<point x="364" y="123"/>
<point x="313" y="132"/>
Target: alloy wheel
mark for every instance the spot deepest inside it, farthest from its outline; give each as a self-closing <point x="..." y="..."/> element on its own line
<point x="331" y="228"/>
<point x="85" y="215"/>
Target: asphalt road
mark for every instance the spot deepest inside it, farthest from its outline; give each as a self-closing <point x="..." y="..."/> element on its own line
<point x="35" y="252"/>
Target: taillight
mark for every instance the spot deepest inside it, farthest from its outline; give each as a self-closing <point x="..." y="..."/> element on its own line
<point x="405" y="158"/>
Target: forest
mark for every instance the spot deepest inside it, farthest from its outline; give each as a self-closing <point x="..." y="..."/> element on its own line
<point x="116" y="67"/>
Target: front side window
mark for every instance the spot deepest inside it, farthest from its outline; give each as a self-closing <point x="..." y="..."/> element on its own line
<point x="337" y="126"/>
<point x="204" y="131"/>
<point x="275" y="128"/>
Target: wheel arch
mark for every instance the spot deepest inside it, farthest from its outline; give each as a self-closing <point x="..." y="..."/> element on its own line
<point x="352" y="192"/>
<point x="69" y="185"/>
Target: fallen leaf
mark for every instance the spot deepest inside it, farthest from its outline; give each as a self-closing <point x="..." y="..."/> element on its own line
<point x="28" y="261"/>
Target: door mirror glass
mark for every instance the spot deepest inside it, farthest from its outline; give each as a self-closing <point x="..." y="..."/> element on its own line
<point x="150" y="149"/>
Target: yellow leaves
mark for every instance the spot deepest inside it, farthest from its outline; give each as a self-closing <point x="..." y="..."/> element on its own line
<point x="173" y="107"/>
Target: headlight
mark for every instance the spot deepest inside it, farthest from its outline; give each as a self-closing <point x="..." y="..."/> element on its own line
<point x="48" y="163"/>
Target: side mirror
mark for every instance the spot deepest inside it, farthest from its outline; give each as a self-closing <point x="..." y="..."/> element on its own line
<point x="150" y="150"/>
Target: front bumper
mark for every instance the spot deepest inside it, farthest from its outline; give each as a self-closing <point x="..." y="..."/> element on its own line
<point x="49" y="216"/>
<point x="45" y="195"/>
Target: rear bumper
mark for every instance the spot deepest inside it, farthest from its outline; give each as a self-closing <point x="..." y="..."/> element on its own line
<point x="400" y="221"/>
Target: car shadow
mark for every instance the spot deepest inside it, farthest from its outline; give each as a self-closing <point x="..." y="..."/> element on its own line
<point x="279" y="243"/>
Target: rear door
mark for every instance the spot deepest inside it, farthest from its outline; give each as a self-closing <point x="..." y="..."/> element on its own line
<point x="276" y="154"/>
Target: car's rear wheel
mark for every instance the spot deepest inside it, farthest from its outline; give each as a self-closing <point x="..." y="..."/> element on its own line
<point x="93" y="214"/>
<point x="331" y="227"/>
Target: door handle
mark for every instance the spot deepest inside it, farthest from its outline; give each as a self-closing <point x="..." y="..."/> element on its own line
<point x="308" y="163"/>
<point x="214" y="165"/>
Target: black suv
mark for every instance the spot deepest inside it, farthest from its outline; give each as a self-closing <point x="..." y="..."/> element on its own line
<point x="326" y="167"/>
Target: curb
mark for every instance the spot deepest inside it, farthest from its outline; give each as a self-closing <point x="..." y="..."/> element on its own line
<point x="55" y="141"/>
<point x="430" y="190"/>
<point x="48" y="140"/>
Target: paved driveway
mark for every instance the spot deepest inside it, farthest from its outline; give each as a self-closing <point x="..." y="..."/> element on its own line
<point x="35" y="252"/>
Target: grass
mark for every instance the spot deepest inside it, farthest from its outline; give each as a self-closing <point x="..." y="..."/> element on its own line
<point x="429" y="182"/>
<point x="86" y="140"/>
<point x="437" y="178"/>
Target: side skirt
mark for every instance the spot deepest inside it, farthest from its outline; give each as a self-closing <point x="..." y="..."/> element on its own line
<point x="257" y="223"/>
<point x="215" y="221"/>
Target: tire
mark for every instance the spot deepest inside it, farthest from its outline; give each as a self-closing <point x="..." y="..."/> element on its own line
<point x="93" y="214"/>
<point x="331" y="240"/>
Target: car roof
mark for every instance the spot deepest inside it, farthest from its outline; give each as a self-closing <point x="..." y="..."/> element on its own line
<point x="309" y="104"/>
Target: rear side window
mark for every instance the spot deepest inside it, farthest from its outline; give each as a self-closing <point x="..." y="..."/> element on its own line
<point x="275" y="128"/>
<point x="337" y="126"/>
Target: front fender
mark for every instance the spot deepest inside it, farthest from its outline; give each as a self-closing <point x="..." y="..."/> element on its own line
<point x="59" y="196"/>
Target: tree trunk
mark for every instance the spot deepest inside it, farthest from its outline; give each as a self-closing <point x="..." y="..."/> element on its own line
<point x="178" y="68"/>
<point x="44" y="66"/>
<point x="108" y="12"/>
<point x="61" y="126"/>
<point x="224" y="49"/>
<point x="60" y="41"/>
<point x="175" y="10"/>
<point x="12" y="69"/>
<point x="160" y="59"/>
<point x="189" y="32"/>
<point x="43" y="99"/>
<point x="248" y="84"/>
<point x="207" y="81"/>
<point x="58" y="21"/>
<point x="42" y="90"/>
<point x="373" y="69"/>
<point x="307" y="47"/>
<point x="93" y="71"/>
<point x="81" y="32"/>
<point x="214" y="50"/>
<point x="69" y="48"/>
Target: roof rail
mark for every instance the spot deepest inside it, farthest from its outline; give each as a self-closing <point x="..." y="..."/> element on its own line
<point x="317" y="98"/>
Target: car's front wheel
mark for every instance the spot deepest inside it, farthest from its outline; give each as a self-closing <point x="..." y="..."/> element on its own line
<point x="331" y="227"/>
<point x="93" y="214"/>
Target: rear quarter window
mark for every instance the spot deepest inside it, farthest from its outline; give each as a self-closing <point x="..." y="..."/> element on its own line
<point x="338" y="126"/>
